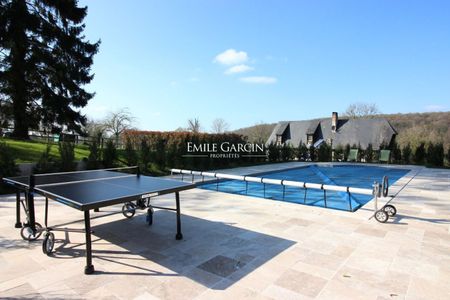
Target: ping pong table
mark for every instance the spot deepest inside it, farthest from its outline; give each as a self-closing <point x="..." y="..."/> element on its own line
<point x="90" y="190"/>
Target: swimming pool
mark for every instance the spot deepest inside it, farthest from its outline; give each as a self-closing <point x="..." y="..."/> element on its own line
<point x="342" y="175"/>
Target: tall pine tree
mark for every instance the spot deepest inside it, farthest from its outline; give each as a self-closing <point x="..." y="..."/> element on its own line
<point x="44" y="63"/>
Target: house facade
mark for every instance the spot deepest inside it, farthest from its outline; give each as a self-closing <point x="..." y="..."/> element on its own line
<point x="334" y="131"/>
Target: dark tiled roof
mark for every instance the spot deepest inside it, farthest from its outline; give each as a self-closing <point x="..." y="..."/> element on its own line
<point x="363" y="131"/>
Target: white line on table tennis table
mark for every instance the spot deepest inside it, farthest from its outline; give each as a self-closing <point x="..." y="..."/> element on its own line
<point x="85" y="171"/>
<point x="87" y="180"/>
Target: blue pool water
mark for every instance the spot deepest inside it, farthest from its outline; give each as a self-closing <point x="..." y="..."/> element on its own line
<point x="342" y="175"/>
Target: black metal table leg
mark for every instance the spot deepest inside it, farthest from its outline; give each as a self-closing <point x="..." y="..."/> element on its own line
<point x="179" y="235"/>
<point x="18" y="222"/>
<point x="30" y="204"/>
<point x="46" y="212"/>
<point x="89" y="268"/>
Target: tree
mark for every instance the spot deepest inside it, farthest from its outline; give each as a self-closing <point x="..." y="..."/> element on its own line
<point x="219" y="125"/>
<point x="44" y="63"/>
<point x="67" y="154"/>
<point x="194" y="125"/>
<point x="406" y="154"/>
<point x="302" y="152"/>
<point x="419" y="154"/>
<point x="94" y="129"/>
<point x="109" y="154"/>
<point x="324" y="152"/>
<point x="117" y="122"/>
<point x="361" y="110"/>
<point x="435" y="154"/>
<point x="130" y="153"/>
<point x="274" y="152"/>
<point x="368" y="153"/>
<point x="8" y="166"/>
<point x="286" y="152"/>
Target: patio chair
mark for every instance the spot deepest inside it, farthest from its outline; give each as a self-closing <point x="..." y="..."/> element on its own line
<point x="385" y="156"/>
<point x="353" y="155"/>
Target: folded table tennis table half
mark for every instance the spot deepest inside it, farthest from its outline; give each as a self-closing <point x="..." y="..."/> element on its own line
<point x="91" y="190"/>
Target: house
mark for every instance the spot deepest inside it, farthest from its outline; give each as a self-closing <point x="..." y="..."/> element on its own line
<point x="334" y="131"/>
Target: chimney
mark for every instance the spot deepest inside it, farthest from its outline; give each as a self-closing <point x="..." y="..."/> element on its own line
<point x="334" y="121"/>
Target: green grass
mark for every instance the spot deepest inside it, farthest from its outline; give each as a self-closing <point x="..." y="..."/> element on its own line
<point x="31" y="151"/>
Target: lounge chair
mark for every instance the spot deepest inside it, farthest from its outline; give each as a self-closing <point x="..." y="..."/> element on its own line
<point x="385" y="156"/>
<point x="353" y="155"/>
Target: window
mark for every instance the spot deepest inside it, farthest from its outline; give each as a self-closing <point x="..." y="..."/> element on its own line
<point x="279" y="140"/>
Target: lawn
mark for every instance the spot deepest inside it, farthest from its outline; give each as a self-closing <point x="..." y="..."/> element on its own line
<point x="31" y="151"/>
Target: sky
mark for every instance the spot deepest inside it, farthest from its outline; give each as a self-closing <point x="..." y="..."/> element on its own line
<point x="258" y="61"/>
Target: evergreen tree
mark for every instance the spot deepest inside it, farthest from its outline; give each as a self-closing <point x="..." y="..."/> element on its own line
<point x="406" y="154"/>
<point x="368" y="153"/>
<point x="419" y="154"/>
<point x="324" y="152"/>
<point x="109" y="154"/>
<point x="274" y="152"/>
<point x="44" y="63"/>
<point x="130" y="153"/>
<point x="435" y="154"/>
<point x="302" y="152"/>
<point x="286" y="153"/>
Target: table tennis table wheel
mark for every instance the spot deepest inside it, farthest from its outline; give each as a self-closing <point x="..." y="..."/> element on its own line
<point x="381" y="216"/>
<point x="48" y="243"/>
<point x="27" y="234"/>
<point x="128" y="210"/>
<point x="150" y="216"/>
<point x="390" y="210"/>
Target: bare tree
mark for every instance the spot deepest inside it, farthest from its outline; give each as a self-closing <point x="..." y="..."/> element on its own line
<point x="361" y="110"/>
<point x="94" y="128"/>
<point x="258" y="133"/>
<point x="219" y="125"/>
<point x="117" y="122"/>
<point x="194" y="125"/>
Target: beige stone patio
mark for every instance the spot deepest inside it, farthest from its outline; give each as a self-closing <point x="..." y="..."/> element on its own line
<point x="239" y="247"/>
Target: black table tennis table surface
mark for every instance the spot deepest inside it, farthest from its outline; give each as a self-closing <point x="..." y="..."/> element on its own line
<point x="95" y="189"/>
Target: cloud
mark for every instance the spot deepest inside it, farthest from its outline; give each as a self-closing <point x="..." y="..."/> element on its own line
<point x="238" y="69"/>
<point x="231" y="57"/>
<point x="259" y="79"/>
<point x="434" y="107"/>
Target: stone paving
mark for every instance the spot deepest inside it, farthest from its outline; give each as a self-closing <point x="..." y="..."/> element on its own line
<point x="239" y="247"/>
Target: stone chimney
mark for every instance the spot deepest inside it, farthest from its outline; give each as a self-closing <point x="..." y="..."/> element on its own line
<point x="334" y="121"/>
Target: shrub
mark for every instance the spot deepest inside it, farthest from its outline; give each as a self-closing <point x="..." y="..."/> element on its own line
<point x="109" y="154"/>
<point x="67" y="154"/>
<point x="302" y="152"/>
<point x="7" y="165"/>
<point x="339" y="153"/>
<point x="45" y="163"/>
<point x="346" y="151"/>
<point x="324" y="152"/>
<point x="369" y="154"/>
<point x="130" y="154"/>
<point x="93" y="161"/>
<point x="406" y="154"/>
<point x="274" y="152"/>
<point x="448" y="156"/>
<point x="312" y="153"/>
<point x="396" y="153"/>
<point x="419" y="154"/>
<point x="145" y="154"/>
<point x="286" y="152"/>
<point x="435" y="154"/>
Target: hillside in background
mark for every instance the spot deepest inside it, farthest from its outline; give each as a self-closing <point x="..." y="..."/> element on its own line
<point x="412" y="128"/>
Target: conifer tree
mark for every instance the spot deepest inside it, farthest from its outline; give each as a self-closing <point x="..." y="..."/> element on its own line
<point x="45" y="61"/>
